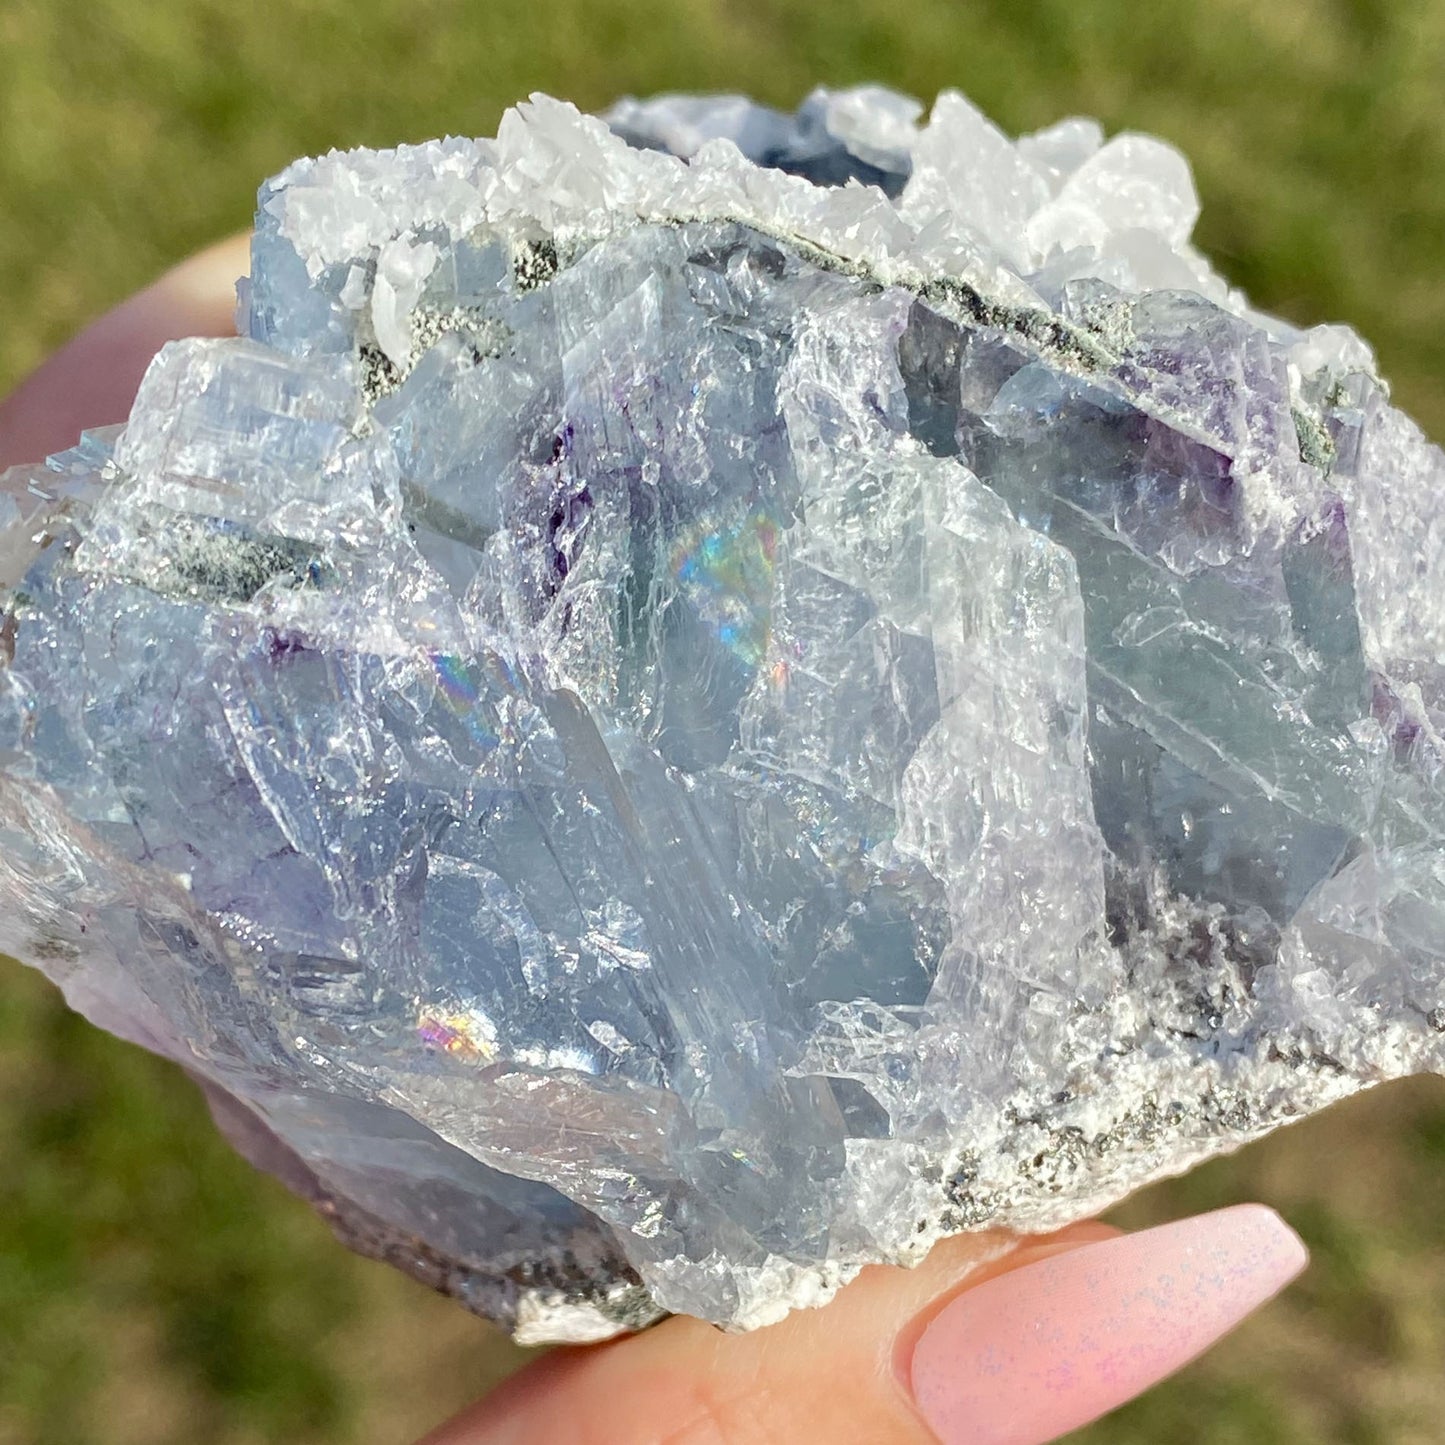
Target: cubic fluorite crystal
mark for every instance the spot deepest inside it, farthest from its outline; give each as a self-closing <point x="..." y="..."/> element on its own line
<point x="708" y="696"/>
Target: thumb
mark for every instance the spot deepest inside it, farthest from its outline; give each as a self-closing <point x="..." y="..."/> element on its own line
<point x="989" y="1341"/>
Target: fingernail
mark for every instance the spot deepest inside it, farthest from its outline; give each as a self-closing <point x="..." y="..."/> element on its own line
<point x="1029" y="1355"/>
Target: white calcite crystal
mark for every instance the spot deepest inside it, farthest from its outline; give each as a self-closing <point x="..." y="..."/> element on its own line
<point x="707" y="697"/>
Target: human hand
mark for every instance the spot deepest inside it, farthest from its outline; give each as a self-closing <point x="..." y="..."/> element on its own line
<point x="92" y="380"/>
<point x="992" y="1340"/>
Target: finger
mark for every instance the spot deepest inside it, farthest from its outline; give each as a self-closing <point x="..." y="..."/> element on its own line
<point x="1012" y="1349"/>
<point x="92" y="380"/>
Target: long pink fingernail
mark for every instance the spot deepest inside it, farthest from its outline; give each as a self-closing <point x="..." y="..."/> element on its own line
<point x="1029" y="1355"/>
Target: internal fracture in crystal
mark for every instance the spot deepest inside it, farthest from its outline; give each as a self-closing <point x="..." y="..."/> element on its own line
<point x="707" y="697"/>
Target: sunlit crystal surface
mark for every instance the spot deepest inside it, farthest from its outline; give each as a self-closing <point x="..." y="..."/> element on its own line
<point x="709" y="696"/>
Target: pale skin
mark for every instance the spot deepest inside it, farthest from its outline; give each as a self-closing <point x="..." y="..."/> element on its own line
<point x="839" y="1373"/>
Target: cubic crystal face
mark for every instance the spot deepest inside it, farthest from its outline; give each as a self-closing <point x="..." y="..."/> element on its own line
<point x="707" y="699"/>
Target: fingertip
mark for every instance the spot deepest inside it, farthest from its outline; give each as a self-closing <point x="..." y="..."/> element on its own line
<point x="202" y="288"/>
<point x="991" y="1340"/>
<point x="1045" y="1348"/>
<point x="92" y="380"/>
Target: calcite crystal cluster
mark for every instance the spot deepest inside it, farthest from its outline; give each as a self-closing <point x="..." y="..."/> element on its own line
<point x="707" y="697"/>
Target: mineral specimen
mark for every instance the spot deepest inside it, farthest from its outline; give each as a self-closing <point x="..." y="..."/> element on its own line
<point x="707" y="697"/>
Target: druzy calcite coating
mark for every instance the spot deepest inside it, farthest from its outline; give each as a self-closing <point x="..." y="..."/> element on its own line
<point x="706" y="697"/>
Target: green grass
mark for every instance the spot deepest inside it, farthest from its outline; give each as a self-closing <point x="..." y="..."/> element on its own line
<point x="153" y="1289"/>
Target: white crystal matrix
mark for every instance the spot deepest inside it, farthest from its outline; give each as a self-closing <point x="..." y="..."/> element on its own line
<point x="709" y="696"/>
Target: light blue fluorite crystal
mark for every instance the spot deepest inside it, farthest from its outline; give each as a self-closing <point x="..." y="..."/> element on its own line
<point x="704" y="702"/>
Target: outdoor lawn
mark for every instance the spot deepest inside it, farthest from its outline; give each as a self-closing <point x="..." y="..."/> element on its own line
<point x="153" y="1289"/>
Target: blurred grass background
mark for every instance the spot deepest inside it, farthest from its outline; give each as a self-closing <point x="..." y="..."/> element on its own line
<point x="153" y="1290"/>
